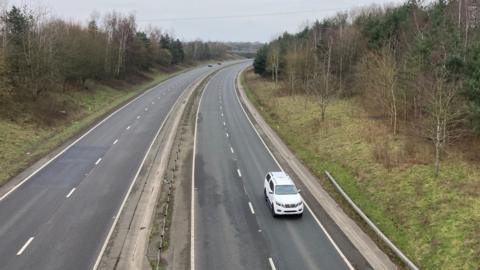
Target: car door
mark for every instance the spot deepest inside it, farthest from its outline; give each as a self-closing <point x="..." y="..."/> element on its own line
<point x="270" y="191"/>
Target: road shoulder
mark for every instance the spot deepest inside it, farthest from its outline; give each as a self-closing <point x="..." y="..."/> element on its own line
<point x="129" y="243"/>
<point x="357" y="246"/>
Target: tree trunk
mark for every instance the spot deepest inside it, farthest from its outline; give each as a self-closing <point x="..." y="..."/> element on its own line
<point x="437" y="149"/>
<point x="394" y="108"/>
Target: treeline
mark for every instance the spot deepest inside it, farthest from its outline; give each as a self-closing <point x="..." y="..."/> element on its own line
<point x="417" y="65"/>
<point x="40" y="53"/>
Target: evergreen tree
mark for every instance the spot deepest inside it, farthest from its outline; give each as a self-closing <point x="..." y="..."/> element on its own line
<point x="260" y="62"/>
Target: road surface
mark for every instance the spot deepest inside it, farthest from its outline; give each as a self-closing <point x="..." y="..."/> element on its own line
<point x="234" y="228"/>
<point x="61" y="216"/>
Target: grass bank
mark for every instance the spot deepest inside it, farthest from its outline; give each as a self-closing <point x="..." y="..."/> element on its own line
<point x="435" y="221"/>
<point x="24" y="142"/>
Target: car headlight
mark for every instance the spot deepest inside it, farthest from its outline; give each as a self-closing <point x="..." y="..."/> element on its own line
<point x="280" y="204"/>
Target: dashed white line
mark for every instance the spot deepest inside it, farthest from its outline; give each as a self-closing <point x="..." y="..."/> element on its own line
<point x="115" y="142"/>
<point x="231" y="150"/>
<point x="158" y="97"/>
<point x="222" y="114"/>
<point x="226" y="134"/>
<point x="98" y="161"/>
<point x="153" y="102"/>
<point x="251" y="208"/>
<point x="224" y="124"/>
<point x="25" y="246"/>
<point x="128" y="127"/>
<point x="70" y="193"/>
<point x="146" y="109"/>
<point x="310" y="210"/>
<point x="138" y="117"/>
<point x="239" y="173"/>
<point x="272" y="265"/>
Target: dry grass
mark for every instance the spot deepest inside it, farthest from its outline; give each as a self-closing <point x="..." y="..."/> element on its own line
<point x="29" y="138"/>
<point x="436" y="221"/>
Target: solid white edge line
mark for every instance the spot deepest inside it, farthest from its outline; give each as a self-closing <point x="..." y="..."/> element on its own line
<point x="70" y="193"/>
<point x="239" y="173"/>
<point x="25" y="246"/>
<point x="278" y="164"/>
<point x="251" y="208"/>
<point x="119" y="212"/>
<point x="98" y="161"/>
<point x="115" y="142"/>
<point x="272" y="265"/>
<point x="192" y="204"/>
<point x="81" y="137"/>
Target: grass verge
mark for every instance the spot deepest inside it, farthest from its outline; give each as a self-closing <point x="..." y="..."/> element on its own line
<point x="22" y="143"/>
<point x="435" y="221"/>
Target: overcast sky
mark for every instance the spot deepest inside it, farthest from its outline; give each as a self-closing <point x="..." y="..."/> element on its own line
<point x="214" y="20"/>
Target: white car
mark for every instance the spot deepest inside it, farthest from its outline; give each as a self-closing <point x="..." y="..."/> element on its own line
<point x="281" y="194"/>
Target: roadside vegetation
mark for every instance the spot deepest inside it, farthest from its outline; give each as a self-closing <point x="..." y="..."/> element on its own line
<point x="58" y="77"/>
<point x="387" y="100"/>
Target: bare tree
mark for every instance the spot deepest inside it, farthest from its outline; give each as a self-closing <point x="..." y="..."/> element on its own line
<point x="322" y="84"/>
<point x="378" y="74"/>
<point x="274" y="60"/>
<point x="444" y="113"/>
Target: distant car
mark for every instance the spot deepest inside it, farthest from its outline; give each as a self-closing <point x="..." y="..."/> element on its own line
<point x="210" y="65"/>
<point x="219" y="63"/>
<point x="281" y="195"/>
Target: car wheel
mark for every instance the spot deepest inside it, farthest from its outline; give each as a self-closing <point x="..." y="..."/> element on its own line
<point x="265" y="194"/>
<point x="273" y="211"/>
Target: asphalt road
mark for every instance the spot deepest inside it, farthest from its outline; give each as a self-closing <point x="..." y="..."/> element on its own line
<point x="61" y="216"/>
<point x="234" y="228"/>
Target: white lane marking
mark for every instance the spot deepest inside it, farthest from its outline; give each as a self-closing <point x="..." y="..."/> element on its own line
<point x="158" y="97"/>
<point x="192" y="201"/>
<point x="231" y="150"/>
<point x="138" y="117"/>
<point x="239" y="173"/>
<point x="70" y="193"/>
<point x="153" y="102"/>
<point x="251" y="208"/>
<point x="117" y="216"/>
<point x="25" y="246"/>
<point x="79" y="138"/>
<point x="128" y="127"/>
<point x="222" y="114"/>
<point x="226" y="134"/>
<point x="115" y="142"/>
<point x="278" y="164"/>
<point x="224" y="124"/>
<point x="146" y="109"/>
<point x="272" y="265"/>
<point x="98" y="161"/>
<point x="220" y="107"/>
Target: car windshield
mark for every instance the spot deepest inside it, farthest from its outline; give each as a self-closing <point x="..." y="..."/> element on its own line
<point x="285" y="190"/>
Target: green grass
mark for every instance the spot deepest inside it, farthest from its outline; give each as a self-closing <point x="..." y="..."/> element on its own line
<point x="22" y="143"/>
<point x="435" y="221"/>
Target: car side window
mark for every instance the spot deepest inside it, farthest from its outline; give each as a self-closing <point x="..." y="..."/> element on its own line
<point x="271" y="185"/>
<point x="269" y="177"/>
